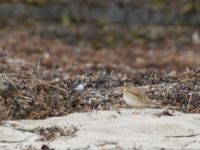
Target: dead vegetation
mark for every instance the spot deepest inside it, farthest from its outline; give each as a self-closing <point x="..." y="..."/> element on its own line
<point x="38" y="93"/>
<point x="41" y="77"/>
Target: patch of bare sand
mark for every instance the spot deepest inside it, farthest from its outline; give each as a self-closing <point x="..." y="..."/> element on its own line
<point x="127" y="129"/>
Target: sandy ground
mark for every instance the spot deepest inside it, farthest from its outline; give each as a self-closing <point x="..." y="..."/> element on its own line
<point x="124" y="129"/>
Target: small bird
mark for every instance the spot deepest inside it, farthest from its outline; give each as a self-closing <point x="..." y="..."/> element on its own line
<point x="137" y="98"/>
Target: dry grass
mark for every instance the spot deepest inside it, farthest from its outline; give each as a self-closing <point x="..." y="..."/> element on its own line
<point x="43" y="94"/>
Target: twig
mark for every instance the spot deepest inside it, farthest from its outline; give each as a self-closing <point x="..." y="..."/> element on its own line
<point x="37" y="78"/>
<point x="56" y="87"/>
<point x="20" y="141"/>
<point x="183" y="136"/>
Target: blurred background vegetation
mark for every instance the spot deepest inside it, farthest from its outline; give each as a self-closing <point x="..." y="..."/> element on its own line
<point x="106" y="23"/>
<point x="98" y="44"/>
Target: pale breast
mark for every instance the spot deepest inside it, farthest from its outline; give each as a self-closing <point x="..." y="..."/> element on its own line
<point x="132" y="100"/>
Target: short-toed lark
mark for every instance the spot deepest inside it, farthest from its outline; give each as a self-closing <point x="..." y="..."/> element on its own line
<point x="137" y="98"/>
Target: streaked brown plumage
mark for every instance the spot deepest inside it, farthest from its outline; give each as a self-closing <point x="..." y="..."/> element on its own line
<point x="137" y="98"/>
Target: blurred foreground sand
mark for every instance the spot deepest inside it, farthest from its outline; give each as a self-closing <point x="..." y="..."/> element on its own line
<point x="127" y="129"/>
